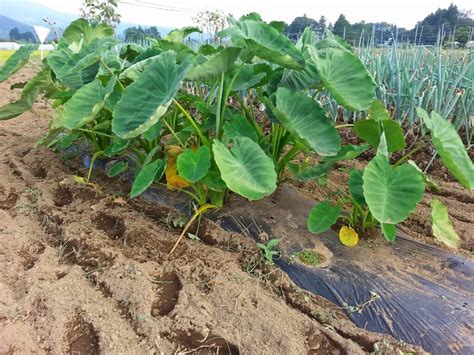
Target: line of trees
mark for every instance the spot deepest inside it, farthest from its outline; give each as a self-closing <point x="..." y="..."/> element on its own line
<point x="139" y="34"/>
<point x="452" y="24"/>
<point x="17" y="36"/>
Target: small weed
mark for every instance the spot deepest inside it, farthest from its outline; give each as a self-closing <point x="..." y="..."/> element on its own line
<point x="360" y="307"/>
<point x="172" y="220"/>
<point x="307" y="257"/>
<point x="269" y="250"/>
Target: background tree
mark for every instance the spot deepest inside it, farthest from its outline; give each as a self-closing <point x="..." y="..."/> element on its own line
<point x="211" y="22"/>
<point x="341" y="26"/>
<point x="321" y="26"/>
<point x="446" y="20"/>
<point x="296" y="28"/>
<point x="101" y="11"/>
<point x="139" y="34"/>
<point x="16" y="35"/>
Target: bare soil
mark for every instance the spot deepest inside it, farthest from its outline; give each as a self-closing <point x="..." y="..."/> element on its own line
<point x="83" y="270"/>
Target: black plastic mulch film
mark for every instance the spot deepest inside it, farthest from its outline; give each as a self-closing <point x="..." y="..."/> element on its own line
<point x="424" y="294"/>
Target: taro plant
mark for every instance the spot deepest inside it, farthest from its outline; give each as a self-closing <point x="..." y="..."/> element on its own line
<point x="230" y="119"/>
<point x="385" y="194"/>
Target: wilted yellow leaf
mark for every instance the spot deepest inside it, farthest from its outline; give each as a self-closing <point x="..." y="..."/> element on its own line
<point x="348" y="236"/>
<point x="81" y="180"/>
<point x="173" y="180"/>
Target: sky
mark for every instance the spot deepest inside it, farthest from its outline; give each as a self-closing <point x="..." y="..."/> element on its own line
<point x="177" y="13"/>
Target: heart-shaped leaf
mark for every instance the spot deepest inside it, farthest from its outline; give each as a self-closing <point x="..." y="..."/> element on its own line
<point x="450" y="147"/>
<point x="173" y="180"/>
<point x="147" y="99"/>
<point x="180" y="34"/>
<point x="322" y="217"/>
<point x="214" y="65"/>
<point x="348" y="236"/>
<point x="442" y="226"/>
<point x="116" y="169"/>
<point x="378" y="111"/>
<point x="344" y="75"/>
<point x="86" y="103"/>
<point x="16" y="61"/>
<point x="355" y="186"/>
<point x="303" y="117"/>
<point x="246" y="169"/>
<point x="391" y="194"/>
<point x="348" y="152"/>
<point x="389" y="231"/>
<point x="146" y="176"/>
<point x="194" y="165"/>
<point x="312" y="172"/>
<point x="371" y="130"/>
<point x="251" y="76"/>
<point x="265" y="42"/>
<point x="81" y="30"/>
<point x="239" y="126"/>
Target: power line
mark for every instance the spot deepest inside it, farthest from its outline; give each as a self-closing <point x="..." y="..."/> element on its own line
<point x="156" y="6"/>
<point x="153" y="3"/>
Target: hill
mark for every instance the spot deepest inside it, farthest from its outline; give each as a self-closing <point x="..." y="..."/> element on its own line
<point x="7" y="24"/>
<point x="29" y="13"/>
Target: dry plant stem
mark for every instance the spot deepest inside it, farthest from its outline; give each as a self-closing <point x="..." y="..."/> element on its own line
<point x="344" y="125"/>
<point x="199" y="212"/>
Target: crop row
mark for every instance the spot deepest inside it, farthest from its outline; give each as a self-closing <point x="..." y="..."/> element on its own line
<point x="234" y="118"/>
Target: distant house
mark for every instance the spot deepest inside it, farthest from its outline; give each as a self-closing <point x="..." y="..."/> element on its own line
<point x="470" y="44"/>
<point x="14" y="46"/>
<point x="47" y="47"/>
<point x="9" y="46"/>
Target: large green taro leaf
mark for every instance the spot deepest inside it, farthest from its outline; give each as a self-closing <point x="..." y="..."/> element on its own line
<point x="145" y="100"/>
<point x="348" y="152"/>
<point x="194" y="165"/>
<point x="81" y="30"/>
<point x="86" y="103"/>
<point x="246" y="169"/>
<point x="303" y="117"/>
<point x="41" y="82"/>
<point x="135" y="70"/>
<point x="214" y="65"/>
<point x="180" y="34"/>
<point x="145" y="177"/>
<point x="16" y="61"/>
<point x="344" y="75"/>
<point x="308" y="77"/>
<point x="265" y="42"/>
<point x="450" y="147"/>
<point x="305" y="173"/>
<point x="239" y="126"/>
<point x="250" y="76"/>
<point x="391" y="194"/>
<point x="355" y="186"/>
<point x="371" y="131"/>
<point x="77" y="69"/>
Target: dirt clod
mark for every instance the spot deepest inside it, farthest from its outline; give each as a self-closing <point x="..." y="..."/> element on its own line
<point x="82" y="338"/>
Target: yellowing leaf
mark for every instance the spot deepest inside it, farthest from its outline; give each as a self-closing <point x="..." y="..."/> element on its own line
<point x="173" y="180"/>
<point x="174" y="150"/>
<point x="442" y="226"/>
<point x="348" y="236"/>
<point x="81" y="180"/>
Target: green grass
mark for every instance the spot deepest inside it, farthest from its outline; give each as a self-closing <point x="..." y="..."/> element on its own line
<point x="308" y="257"/>
<point x="5" y="54"/>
